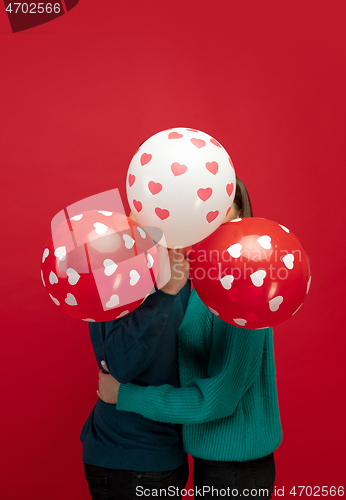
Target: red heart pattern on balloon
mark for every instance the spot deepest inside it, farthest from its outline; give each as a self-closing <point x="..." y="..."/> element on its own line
<point x="181" y="165"/>
<point x="132" y="179"/>
<point x="229" y="189"/>
<point x="213" y="167"/>
<point x="145" y="158"/>
<point x="175" y="135"/>
<point x="162" y="213"/>
<point x="212" y="216"/>
<point x="213" y="141"/>
<point x="178" y="169"/>
<point x="199" y="143"/>
<point x="204" y="193"/>
<point x="154" y="187"/>
<point x="138" y="205"/>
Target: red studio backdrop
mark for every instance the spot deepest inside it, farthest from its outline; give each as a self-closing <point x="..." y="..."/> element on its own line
<point x="78" y="96"/>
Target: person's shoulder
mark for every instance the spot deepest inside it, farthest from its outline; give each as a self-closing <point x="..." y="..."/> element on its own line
<point x="196" y="303"/>
<point x="203" y="313"/>
<point x="230" y="329"/>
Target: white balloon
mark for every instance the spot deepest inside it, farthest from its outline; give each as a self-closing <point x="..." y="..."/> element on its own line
<point x="182" y="181"/>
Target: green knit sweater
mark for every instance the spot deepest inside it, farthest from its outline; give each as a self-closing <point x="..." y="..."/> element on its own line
<point x="227" y="399"/>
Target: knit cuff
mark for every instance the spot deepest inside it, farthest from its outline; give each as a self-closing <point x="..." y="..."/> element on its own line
<point x="129" y="397"/>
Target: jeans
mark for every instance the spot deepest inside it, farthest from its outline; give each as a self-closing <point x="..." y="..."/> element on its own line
<point x="114" y="484"/>
<point x="253" y="478"/>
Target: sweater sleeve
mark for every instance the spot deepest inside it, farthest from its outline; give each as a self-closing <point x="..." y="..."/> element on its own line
<point x="130" y="341"/>
<point x="236" y="359"/>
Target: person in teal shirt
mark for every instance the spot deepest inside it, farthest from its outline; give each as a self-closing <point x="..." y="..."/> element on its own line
<point x="227" y="401"/>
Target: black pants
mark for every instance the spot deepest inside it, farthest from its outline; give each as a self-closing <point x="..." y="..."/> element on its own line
<point x="254" y="478"/>
<point x="111" y="484"/>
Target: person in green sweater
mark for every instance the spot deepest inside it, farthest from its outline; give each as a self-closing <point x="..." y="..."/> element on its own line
<point x="227" y="401"/>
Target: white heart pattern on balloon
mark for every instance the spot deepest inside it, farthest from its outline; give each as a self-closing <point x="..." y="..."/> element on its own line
<point x="109" y="267"/>
<point x="150" y="260"/>
<point x="113" y="301"/>
<point x="45" y="254"/>
<point x="100" y="228"/>
<point x="73" y="276"/>
<point x="288" y="260"/>
<point x="60" y="252"/>
<point x="71" y="300"/>
<point x="257" y="277"/>
<point x="235" y="250"/>
<point x="227" y="281"/>
<point x="275" y="303"/>
<point x="76" y="217"/>
<point x="106" y="213"/>
<point x="213" y="311"/>
<point x="142" y="233"/>
<point x="129" y="242"/>
<point x="122" y="314"/>
<point x="53" y="278"/>
<point x="54" y="300"/>
<point x="240" y="321"/>
<point x="264" y="241"/>
<point x="134" y="277"/>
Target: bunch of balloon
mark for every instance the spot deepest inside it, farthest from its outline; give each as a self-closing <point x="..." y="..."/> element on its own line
<point x="99" y="265"/>
<point x="251" y="272"/>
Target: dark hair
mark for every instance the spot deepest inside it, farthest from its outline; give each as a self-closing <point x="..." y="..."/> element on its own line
<point x="242" y="199"/>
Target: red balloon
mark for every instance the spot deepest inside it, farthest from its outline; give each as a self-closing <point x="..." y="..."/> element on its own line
<point x="251" y="272"/>
<point x="99" y="266"/>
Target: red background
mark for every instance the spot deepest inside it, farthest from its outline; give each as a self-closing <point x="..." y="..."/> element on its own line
<point x="266" y="78"/>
